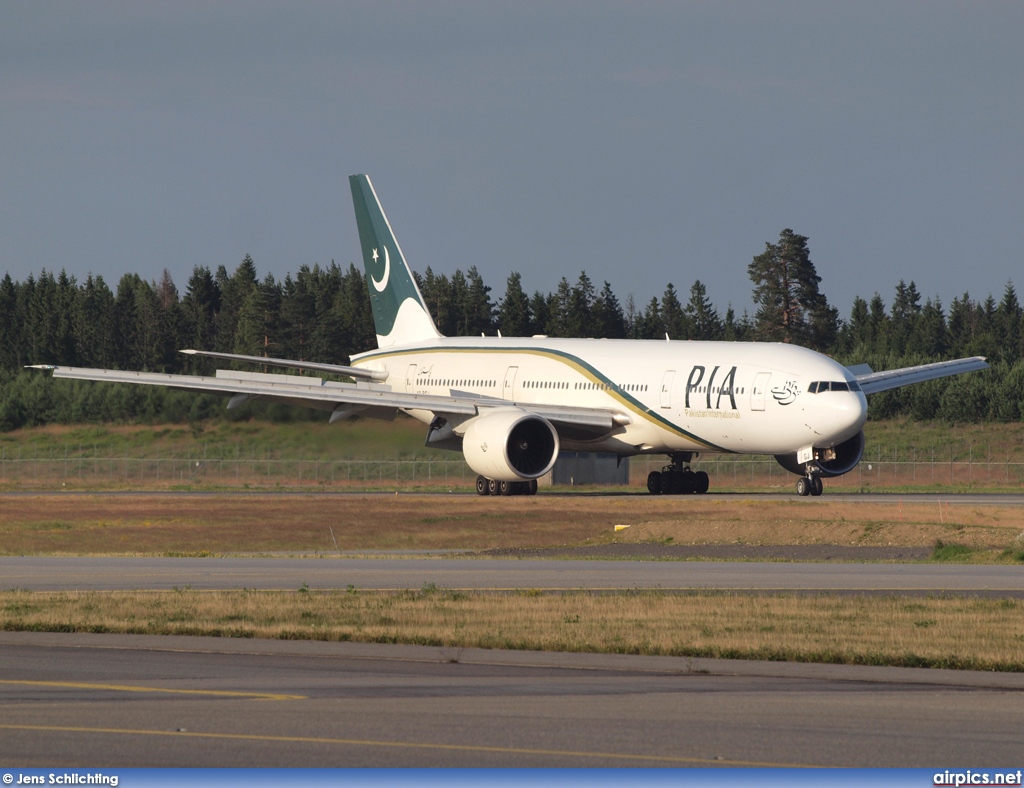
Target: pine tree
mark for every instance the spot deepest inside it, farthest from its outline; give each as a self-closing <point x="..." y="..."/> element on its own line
<point x="259" y="321"/>
<point x="477" y="307"/>
<point x="201" y="307"/>
<point x="650" y="325"/>
<point x="94" y="323"/>
<point x="673" y="320"/>
<point x="579" y="318"/>
<point x="701" y="314"/>
<point x="1010" y="326"/>
<point x="929" y="338"/>
<point x="790" y="306"/>
<point x="10" y="327"/>
<point x="609" y="321"/>
<point x="540" y="312"/>
<point x="514" y="310"/>
<point x="234" y="291"/>
<point x="558" y="315"/>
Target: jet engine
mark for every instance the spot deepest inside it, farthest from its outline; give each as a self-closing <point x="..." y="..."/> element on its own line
<point x="831" y="462"/>
<point x="510" y="445"/>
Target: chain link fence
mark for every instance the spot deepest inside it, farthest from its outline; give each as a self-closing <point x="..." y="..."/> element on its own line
<point x="77" y="467"/>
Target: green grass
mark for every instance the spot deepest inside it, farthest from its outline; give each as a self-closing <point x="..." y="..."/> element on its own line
<point x="352" y="439"/>
<point x="951" y="553"/>
<point x="369" y="439"/>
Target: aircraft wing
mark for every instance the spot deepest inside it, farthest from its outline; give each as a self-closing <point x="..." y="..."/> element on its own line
<point x="874" y="382"/>
<point x="343" y="399"/>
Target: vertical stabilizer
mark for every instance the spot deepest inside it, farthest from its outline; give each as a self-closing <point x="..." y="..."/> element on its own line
<point x="399" y="314"/>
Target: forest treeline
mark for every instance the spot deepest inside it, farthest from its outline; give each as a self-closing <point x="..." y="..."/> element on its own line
<point x="323" y="314"/>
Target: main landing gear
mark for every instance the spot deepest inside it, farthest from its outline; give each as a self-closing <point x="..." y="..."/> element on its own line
<point x="809" y="485"/>
<point x="485" y="486"/>
<point x="677" y="478"/>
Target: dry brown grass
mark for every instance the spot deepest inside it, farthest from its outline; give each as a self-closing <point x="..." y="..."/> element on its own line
<point x="937" y="632"/>
<point x="154" y="524"/>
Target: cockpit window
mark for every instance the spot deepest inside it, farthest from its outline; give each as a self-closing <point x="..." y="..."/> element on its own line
<point x="820" y="386"/>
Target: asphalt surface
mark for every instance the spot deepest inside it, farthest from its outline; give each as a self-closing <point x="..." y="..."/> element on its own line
<point x="123" y="701"/>
<point x="499" y="574"/>
<point x="146" y="701"/>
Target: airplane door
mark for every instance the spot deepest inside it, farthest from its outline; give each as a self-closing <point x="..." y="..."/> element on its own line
<point x="508" y="389"/>
<point x="666" y="388"/>
<point x="410" y="377"/>
<point x="758" y="391"/>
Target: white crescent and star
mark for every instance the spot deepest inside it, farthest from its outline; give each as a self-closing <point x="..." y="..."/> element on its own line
<point x="387" y="271"/>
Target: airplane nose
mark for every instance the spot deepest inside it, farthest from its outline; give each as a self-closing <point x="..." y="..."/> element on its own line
<point x="849" y="413"/>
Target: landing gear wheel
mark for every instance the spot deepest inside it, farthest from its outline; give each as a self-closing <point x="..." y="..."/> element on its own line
<point x="654" y="483"/>
<point x="531" y="487"/>
<point x="668" y="483"/>
<point x="492" y="487"/>
<point x="701" y="482"/>
<point x="481" y="486"/>
<point x="803" y="486"/>
<point x="817" y="488"/>
<point x="505" y="488"/>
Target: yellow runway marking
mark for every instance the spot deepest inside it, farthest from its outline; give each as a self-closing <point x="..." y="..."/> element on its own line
<point x="164" y="690"/>
<point x="405" y="745"/>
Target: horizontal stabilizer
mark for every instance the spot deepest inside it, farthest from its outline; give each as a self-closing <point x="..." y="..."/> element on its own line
<point x="331" y="369"/>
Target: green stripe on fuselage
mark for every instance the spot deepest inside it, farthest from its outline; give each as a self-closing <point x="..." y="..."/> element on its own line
<point x="574" y="362"/>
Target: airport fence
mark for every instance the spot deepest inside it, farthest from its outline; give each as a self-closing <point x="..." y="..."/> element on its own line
<point x="78" y="467"/>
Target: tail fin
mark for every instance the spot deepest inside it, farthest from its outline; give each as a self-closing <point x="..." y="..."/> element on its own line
<point x="399" y="313"/>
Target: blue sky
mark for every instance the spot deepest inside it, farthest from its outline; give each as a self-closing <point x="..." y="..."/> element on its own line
<point x="643" y="142"/>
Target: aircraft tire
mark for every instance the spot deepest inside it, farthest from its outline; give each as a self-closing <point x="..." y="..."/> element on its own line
<point x="803" y="486"/>
<point x="654" y="482"/>
<point x="688" y="482"/>
<point x="669" y="485"/>
<point x="531" y="487"/>
<point x="505" y="488"/>
<point x="481" y="486"/>
<point x="701" y="482"/>
<point x="817" y="488"/>
<point x="492" y="487"/>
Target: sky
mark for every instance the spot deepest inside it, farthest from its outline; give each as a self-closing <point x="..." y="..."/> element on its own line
<point x="641" y="142"/>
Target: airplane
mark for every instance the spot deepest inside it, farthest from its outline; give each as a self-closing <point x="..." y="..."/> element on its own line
<point x="510" y="404"/>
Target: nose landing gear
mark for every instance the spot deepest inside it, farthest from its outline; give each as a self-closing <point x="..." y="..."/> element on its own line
<point x="809" y="485"/>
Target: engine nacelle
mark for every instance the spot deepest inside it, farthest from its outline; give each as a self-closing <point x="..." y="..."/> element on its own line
<point x="510" y="445"/>
<point x="831" y="462"/>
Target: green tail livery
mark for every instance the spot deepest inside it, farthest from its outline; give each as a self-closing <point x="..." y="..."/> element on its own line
<point x="398" y="309"/>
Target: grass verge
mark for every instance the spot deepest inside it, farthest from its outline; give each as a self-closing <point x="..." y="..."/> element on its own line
<point x="179" y="526"/>
<point x="936" y="632"/>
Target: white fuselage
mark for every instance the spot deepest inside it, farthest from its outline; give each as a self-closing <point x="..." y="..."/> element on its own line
<point x="678" y="396"/>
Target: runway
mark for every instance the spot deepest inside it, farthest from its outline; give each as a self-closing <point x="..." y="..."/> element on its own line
<point x="494" y="574"/>
<point x="105" y="700"/>
<point x="113" y="700"/>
